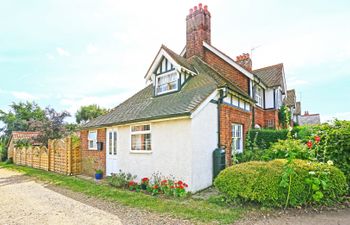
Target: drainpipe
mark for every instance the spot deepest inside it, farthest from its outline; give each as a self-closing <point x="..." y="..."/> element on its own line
<point x="222" y="95"/>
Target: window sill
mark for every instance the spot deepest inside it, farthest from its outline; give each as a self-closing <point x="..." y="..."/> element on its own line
<point x="140" y="152"/>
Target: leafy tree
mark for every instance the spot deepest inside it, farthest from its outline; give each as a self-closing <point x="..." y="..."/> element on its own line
<point x="86" y="113"/>
<point x="52" y="127"/>
<point x="19" y="115"/>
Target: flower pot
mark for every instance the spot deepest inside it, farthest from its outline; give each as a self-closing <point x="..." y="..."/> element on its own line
<point x="98" y="176"/>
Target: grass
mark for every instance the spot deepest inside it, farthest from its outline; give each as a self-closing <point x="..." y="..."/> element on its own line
<point x="195" y="210"/>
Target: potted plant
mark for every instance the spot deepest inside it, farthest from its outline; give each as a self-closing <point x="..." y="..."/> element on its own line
<point x="98" y="174"/>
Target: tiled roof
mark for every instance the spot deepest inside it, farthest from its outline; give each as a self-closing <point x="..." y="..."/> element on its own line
<point x="272" y="76"/>
<point x="145" y="106"/>
<point x="290" y="100"/>
<point x="179" y="59"/>
<point x="311" y="119"/>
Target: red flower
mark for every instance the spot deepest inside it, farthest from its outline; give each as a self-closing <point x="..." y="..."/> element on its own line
<point x="309" y="144"/>
<point x="181" y="187"/>
<point x="172" y="187"/>
<point x="163" y="182"/>
<point x="185" y="185"/>
<point x="144" y="180"/>
<point x="155" y="187"/>
<point x="179" y="182"/>
<point x="132" y="183"/>
<point x="317" y="139"/>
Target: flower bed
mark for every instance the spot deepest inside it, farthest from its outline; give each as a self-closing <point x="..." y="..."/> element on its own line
<point x="155" y="185"/>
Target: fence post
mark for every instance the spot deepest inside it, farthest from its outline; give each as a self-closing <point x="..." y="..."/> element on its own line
<point x="49" y="147"/>
<point x="69" y="154"/>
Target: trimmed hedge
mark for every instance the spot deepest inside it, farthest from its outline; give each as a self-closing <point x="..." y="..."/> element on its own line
<point x="259" y="182"/>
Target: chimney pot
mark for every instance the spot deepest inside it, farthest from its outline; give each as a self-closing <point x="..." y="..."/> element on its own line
<point x="191" y="11"/>
<point x="195" y="8"/>
<point x="200" y="6"/>
<point x="206" y="8"/>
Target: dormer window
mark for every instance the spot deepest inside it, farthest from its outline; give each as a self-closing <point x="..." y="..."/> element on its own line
<point x="167" y="82"/>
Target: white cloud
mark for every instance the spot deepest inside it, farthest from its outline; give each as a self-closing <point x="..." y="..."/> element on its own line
<point x="91" y="49"/>
<point x="21" y="95"/>
<point x="62" y="52"/>
<point x="50" y="56"/>
<point x="340" y="116"/>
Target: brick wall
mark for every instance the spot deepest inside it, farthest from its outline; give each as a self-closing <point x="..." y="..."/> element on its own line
<point x="266" y="118"/>
<point x="228" y="116"/>
<point x="226" y="70"/>
<point x="259" y="117"/>
<point x="92" y="159"/>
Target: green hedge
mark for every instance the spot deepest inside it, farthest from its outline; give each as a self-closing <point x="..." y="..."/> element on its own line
<point x="259" y="182"/>
<point x="263" y="138"/>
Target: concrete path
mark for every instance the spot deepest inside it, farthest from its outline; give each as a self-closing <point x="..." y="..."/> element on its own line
<point x="23" y="201"/>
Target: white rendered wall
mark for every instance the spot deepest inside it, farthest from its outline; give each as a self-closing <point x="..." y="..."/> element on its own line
<point x="269" y="98"/>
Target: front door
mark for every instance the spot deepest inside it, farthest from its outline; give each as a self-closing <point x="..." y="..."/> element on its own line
<point x="111" y="151"/>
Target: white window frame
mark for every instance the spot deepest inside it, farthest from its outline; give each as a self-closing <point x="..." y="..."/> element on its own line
<point x="94" y="147"/>
<point x="259" y="96"/>
<point x="114" y="144"/>
<point x="235" y="137"/>
<point x="163" y="75"/>
<point x="138" y="133"/>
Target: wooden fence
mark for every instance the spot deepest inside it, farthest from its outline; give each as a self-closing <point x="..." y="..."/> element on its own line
<point x="62" y="156"/>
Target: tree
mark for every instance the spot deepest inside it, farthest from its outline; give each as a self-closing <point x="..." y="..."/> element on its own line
<point x="52" y="127"/>
<point x="86" y="113"/>
<point x="19" y="115"/>
<point x="284" y="116"/>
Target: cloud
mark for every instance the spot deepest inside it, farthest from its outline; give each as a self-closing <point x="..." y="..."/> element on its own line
<point x="21" y="95"/>
<point x="62" y="52"/>
<point x="50" y="56"/>
<point x="91" y="49"/>
<point x="340" y="116"/>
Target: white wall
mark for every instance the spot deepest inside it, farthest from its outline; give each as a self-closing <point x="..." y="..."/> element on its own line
<point x="204" y="142"/>
<point x="171" y="151"/>
<point x="269" y="98"/>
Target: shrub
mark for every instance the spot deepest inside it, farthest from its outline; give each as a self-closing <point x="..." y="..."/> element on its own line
<point x="263" y="138"/>
<point x="283" y="148"/>
<point x="260" y="182"/>
<point x="120" y="179"/>
<point x="3" y="152"/>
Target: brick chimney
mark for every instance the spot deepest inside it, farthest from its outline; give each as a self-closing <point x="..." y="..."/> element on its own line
<point x="245" y="61"/>
<point x="197" y="30"/>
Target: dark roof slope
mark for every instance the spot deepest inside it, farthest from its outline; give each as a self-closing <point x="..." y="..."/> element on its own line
<point x="311" y="119"/>
<point x="290" y="100"/>
<point x="272" y="76"/>
<point x="179" y="59"/>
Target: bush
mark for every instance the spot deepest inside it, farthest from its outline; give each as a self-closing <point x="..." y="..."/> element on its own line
<point x="120" y="179"/>
<point x="260" y="182"/>
<point x="283" y="148"/>
<point x="263" y="138"/>
<point x="334" y="144"/>
<point x="3" y="152"/>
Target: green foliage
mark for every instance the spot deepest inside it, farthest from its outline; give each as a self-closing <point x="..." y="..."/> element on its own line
<point x="3" y="151"/>
<point x="120" y="179"/>
<point x="86" y="113"/>
<point x="283" y="149"/>
<point x="23" y="143"/>
<point x="334" y="144"/>
<point x="19" y="116"/>
<point x="284" y="116"/>
<point x="261" y="182"/>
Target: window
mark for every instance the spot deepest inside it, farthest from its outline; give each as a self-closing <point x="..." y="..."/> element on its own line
<point x="259" y="96"/>
<point x="112" y="142"/>
<point x="167" y="82"/>
<point x="92" y="140"/>
<point x="237" y="137"/>
<point x="247" y="106"/>
<point x="270" y="123"/>
<point x="141" y="138"/>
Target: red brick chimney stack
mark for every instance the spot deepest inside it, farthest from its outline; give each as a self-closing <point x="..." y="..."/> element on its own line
<point x="245" y="61"/>
<point x="197" y="30"/>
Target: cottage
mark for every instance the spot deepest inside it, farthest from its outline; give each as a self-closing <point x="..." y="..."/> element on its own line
<point x="193" y="103"/>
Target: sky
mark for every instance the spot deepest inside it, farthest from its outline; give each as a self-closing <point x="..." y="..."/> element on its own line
<point x="66" y="54"/>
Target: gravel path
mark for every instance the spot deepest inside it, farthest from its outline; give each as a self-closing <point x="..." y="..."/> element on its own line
<point x="24" y="201"/>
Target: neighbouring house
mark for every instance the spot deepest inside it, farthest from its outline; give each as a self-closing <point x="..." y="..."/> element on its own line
<point x="20" y="135"/>
<point x="309" y="119"/>
<point x="295" y="107"/>
<point x="193" y="103"/>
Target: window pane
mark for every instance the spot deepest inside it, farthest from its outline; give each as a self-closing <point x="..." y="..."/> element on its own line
<point x="167" y="82"/>
<point x="141" y="142"/>
<point x="114" y="143"/>
<point x="234" y="101"/>
<point x="141" y="128"/>
<point x="110" y="143"/>
<point x="92" y="135"/>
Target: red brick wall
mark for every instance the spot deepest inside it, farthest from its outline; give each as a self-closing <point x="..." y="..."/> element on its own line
<point x="263" y="116"/>
<point x="226" y="70"/>
<point x="92" y="159"/>
<point x="228" y="116"/>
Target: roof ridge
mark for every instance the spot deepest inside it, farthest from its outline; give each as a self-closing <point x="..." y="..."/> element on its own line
<point x="266" y="67"/>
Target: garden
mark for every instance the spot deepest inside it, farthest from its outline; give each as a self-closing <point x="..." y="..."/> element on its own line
<point x="303" y="166"/>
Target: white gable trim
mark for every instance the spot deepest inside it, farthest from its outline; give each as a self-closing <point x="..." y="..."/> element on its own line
<point x="229" y="61"/>
<point x="158" y="59"/>
<point x="212" y="96"/>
